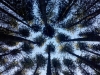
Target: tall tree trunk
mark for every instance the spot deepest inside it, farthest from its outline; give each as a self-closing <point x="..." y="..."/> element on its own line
<point x="94" y="14"/>
<point x="36" y="70"/>
<point x="91" y="5"/>
<point x="42" y="6"/>
<point x="5" y="37"/>
<point x="97" y="38"/>
<point x="1" y="9"/>
<point x="83" y="70"/>
<point x="86" y="61"/>
<point x="4" y="54"/>
<point x="67" y="10"/>
<point x="92" y="52"/>
<point x="98" y="71"/>
<point x="8" y="30"/>
<point x="8" y="5"/>
<point x="49" y="64"/>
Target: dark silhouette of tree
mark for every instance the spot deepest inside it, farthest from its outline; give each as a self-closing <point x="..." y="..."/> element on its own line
<point x="1" y="9"/>
<point x="84" y="47"/>
<point x="6" y="37"/>
<point x="40" y="40"/>
<point x="56" y="65"/>
<point x="40" y="61"/>
<point x="50" y="48"/>
<point x="64" y="38"/>
<point x="26" y="47"/>
<point x="95" y="47"/>
<point x="27" y="63"/>
<point x="68" y="48"/>
<point x="83" y="71"/>
<point x="22" y="8"/>
<point x="71" y="66"/>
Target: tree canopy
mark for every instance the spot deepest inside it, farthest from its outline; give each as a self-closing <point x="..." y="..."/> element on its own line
<point x="55" y="37"/>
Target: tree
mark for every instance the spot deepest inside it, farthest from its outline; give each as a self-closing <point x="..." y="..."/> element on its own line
<point x="40" y="61"/>
<point x="22" y="8"/>
<point x="69" y="63"/>
<point x="68" y="48"/>
<point x="83" y="71"/>
<point x="56" y="65"/>
<point x="84" y="47"/>
<point x="27" y="24"/>
<point x="50" y="48"/>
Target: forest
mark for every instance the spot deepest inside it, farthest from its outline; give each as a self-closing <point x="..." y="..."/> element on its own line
<point x="49" y="37"/>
